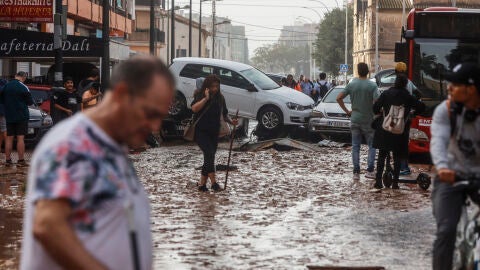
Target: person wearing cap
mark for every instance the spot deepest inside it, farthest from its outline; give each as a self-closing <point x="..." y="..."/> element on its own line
<point x="455" y="150"/>
<point x="66" y="101"/>
<point x="401" y="68"/>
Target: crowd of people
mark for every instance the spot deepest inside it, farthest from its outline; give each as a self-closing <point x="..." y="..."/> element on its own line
<point x="316" y="89"/>
<point x="83" y="188"/>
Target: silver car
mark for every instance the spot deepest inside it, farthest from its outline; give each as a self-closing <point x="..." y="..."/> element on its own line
<point x="328" y="119"/>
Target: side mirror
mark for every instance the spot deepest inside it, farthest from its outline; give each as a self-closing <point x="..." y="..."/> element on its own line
<point x="409" y="34"/>
<point x="39" y="101"/>
<point x="401" y="52"/>
<point x="251" y="88"/>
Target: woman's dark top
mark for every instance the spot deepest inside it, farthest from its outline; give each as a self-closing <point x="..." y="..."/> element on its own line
<point x="210" y="121"/>
<point x="386" y="140"/>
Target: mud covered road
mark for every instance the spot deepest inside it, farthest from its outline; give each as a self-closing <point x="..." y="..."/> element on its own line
<point x="282" y="210"/>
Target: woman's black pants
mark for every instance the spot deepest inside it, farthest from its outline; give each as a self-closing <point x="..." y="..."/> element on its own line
<point x="382" y="157"/>
<point x="208" y="143"/>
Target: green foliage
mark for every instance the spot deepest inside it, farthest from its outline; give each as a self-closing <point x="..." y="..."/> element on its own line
<point x="278" y="58"/>
<point x="330" y="41"/>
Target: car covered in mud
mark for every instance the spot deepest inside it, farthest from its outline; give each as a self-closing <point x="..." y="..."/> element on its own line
<point x="328" y="119"/>
<point x="245" y="88"/>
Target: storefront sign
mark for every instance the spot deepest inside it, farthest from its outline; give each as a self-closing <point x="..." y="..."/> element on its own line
<point x="20" y="43"/>
<point x="26" y="10"/>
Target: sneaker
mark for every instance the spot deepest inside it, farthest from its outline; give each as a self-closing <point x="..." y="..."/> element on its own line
<point x="406" y="172"/>
<point x="216" y="187"/>
<point x="356" y="176"/>
<point x="203" y="188"/>
<point x="8" y="163"/>
<point x="370" y="175"/>
<point x="395" y="185"/>
<point x="22" y="163"/>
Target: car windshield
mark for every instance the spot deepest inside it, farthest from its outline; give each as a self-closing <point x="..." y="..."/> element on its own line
<point x="38" y="94"/>
<point x="331" y="96"/>
<point x="259" y="79"/>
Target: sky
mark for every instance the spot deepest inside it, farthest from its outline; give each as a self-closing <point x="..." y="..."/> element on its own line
<point x="263" y="19"/>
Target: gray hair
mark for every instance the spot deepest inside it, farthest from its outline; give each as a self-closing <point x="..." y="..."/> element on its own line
<point x="138" y="73"/>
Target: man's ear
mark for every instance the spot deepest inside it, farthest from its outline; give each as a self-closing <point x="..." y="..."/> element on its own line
<point x="120" y="90"/>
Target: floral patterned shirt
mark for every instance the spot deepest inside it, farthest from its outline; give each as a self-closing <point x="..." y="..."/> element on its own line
<point x="78" y="162"/>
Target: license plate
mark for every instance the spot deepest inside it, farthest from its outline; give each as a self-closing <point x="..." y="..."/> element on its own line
<point x="31" y="131"/>
<point x="338" y="124"/>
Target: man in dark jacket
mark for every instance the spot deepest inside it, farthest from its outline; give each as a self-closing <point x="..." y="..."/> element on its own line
<point x="16" y="98"/>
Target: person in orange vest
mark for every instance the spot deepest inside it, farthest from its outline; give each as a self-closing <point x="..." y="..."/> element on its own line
<point x="298" y="86"/>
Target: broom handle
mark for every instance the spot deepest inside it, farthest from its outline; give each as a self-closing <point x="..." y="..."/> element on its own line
<point x="230" y="152"/>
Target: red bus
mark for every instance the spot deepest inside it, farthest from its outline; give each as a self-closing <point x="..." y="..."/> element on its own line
<point x="437" y="39"/>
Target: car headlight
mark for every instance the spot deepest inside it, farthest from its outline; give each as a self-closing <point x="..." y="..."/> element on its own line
<point x="47" y="121"/>
<point x="298" y="107"/>
<point x="418" y="135"/>
<point x="317" y="114"/>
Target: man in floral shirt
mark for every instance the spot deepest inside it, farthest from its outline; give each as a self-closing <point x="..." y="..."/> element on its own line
<point x="83" y="194"/>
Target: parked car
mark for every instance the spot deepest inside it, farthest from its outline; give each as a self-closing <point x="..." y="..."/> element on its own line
<point x="38" y="124"/>
<point x="328" y="119"/>
<point x="385" y="79"/>
<point x="245" y="88"/>
<point x="41" y="95"/>
<point x="276" y="77"/>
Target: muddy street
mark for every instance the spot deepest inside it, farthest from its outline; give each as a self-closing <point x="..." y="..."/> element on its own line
<point x="282" y="210"/>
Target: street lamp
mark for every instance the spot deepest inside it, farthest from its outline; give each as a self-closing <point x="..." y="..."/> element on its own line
<point x="200" y="29"/>
<point x="213" y="35"/>
<point x="321" y="2"/>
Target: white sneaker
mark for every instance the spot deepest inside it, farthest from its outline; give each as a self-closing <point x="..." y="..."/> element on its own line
<point x="370" y="175"/>
<point x="356" y="176"/>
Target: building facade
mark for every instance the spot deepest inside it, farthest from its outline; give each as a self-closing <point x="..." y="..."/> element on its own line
<point x="389" y="30"/>
<point x="84" y="19"/>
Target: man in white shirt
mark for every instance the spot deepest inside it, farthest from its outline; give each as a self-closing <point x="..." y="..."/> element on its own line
<point x="84" y="199"/>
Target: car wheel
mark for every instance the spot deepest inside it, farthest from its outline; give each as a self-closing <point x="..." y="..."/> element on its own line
<point x="178" y="107"/>
<point x="270" y="119"/>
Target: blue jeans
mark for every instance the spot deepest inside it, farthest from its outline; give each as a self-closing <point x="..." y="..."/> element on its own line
<point x="359" y="130"/>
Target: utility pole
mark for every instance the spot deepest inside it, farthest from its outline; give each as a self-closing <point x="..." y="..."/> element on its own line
<point x="106" y="44"/>
<point x="346" y="38"/>
<point x="200" y="31"/>
<point x="57" y="44"/>
<point x="213" y="28"/>
<point x="152" y="27"/>
<point x="376" y="36"/>
<point x="190" y="31"/>
<point x="172" y="41"/>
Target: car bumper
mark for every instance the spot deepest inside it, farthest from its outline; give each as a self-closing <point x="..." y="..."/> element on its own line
<point x="36" y="136"/>
<point x="298" y="118"/>
<point x="329" y="125"/>
<point x="418" y="147"/>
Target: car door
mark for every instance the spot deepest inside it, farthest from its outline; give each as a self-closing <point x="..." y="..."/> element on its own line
<point x="234" y="88"/>
<point x="188" y="75"/>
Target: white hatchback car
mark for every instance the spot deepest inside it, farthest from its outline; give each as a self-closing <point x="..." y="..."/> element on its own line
<point x="245" y="88"/>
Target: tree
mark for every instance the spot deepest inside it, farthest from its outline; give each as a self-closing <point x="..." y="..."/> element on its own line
<point x="278" y="58"/>
<point x="330" y="41"/>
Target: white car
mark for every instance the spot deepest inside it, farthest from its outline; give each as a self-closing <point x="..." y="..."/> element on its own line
<point x="245" y="88"/>
<point x="328" y="118"/>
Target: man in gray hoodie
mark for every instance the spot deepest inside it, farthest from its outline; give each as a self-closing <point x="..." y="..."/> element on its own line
<point x="455" y="150"/>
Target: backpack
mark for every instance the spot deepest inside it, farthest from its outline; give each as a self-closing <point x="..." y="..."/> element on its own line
<point x="394" y="121"/>
<point x="323" y="89"/>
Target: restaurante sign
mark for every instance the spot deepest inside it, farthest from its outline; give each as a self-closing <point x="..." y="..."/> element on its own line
<point x="26" y="10"/>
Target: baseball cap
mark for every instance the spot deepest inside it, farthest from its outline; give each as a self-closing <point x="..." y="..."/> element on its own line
<point x="401" y="67"/>
<point x="466" y="73"/>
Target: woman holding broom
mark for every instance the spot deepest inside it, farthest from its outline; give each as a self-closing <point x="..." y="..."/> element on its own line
<point x="208" y="106"/>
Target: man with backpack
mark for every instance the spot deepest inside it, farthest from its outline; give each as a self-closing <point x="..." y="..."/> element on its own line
<point x="455" y="150"/>
<point x="323" y="85"/>
<point x="363" y="94"/>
